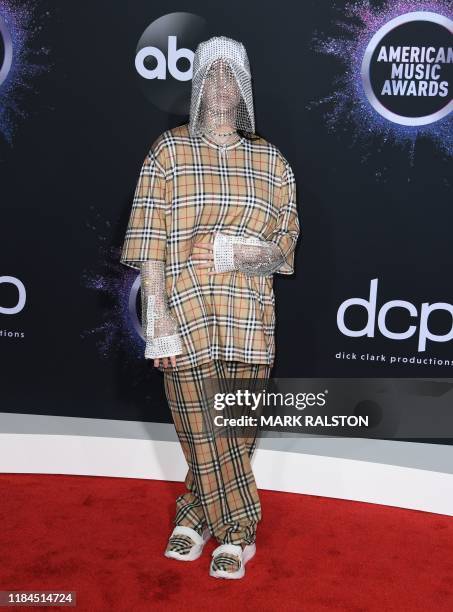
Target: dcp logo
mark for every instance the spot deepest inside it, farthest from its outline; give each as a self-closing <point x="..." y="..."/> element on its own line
<point x="407" y="69"/>
<point x="163" y="60"/>
<point x="421" y="319"/>
<point x="21" y="295"/>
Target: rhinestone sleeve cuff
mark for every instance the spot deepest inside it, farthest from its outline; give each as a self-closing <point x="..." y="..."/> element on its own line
<point x="159" y="325"/>
<point x="165" y="346"/>
<point x="251" y="255"/>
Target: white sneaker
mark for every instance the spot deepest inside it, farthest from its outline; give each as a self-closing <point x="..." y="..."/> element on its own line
<point x="219" y="555"/>
<point x="179" y="548"/>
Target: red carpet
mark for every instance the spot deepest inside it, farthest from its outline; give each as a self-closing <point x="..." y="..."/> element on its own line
<point x="104" y="537"/>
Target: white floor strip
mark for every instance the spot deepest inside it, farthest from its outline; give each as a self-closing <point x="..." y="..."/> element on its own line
<point x="297" y="472"/>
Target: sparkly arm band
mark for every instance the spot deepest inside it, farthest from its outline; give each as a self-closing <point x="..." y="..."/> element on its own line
<point x="160" y="327"/>
<point x="251" y="255"/>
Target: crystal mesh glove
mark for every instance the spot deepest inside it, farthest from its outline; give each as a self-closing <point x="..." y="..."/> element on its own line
<point x="160" y="327"/>
<point x="251" y="255"/>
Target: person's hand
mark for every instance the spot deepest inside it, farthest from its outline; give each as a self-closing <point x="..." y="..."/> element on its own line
<point x="165" y="361"/>
<point x="207" y="254"/>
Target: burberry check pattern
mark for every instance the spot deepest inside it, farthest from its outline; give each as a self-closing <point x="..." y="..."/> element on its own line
<point x="221" y="488"/>
<point x="189" y="188"/>
<point x="180" y="544"/>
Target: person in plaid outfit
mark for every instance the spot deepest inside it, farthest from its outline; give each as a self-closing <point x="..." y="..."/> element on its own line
<point x="213" y="218"/>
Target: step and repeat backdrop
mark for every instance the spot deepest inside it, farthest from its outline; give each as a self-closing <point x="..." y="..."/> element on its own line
<point x="356" y="95"/>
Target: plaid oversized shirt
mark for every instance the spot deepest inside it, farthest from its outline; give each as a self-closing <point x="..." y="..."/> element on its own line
<point x="188" y="189"/>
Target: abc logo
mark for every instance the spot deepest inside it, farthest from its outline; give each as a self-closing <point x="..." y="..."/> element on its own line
<point x="163" y="60"/>
<point x="163" y="63"/>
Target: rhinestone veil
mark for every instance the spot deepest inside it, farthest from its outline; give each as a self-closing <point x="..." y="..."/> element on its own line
<point x="221" y="87"/>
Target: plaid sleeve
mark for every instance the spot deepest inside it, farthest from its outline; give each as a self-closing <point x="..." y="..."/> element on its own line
<point x="286" y="233"/>
<point x="146" y="230"/>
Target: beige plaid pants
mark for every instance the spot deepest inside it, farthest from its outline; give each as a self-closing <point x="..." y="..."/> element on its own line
<point x="221" y="488"/>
